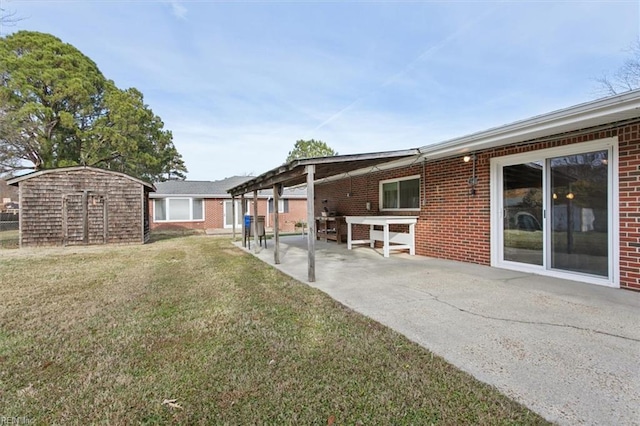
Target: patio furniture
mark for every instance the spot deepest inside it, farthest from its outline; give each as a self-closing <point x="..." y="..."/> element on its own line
<point x="330" y="228"/>
<point x="390" y="240"/>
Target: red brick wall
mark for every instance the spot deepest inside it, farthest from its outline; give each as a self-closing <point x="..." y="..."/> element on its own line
<point x="349" y="197"/>
<point x="297" y="213"/>
<point x="629" y="175"/>
<point x="455" y="225"/>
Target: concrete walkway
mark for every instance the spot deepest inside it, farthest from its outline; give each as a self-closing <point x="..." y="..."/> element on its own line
<point x="569" y="351"/>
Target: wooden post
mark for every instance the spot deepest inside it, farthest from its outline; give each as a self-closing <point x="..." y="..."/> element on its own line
<point x="65" y="225"/>
<point x="276" y="224"/>
<point x="233" y="216"/>
<point x="311" y="223"/>
<point x="105" y="219"/>
<point x="255" y="221"/>
<point x="243" y="209"/>
<point x="85" y="217"/>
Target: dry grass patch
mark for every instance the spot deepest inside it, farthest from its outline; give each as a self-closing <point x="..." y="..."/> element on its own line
<point x="193" y="331"/>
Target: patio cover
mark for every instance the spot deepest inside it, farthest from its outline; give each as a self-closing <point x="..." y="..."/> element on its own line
<point x="308" y="170"/>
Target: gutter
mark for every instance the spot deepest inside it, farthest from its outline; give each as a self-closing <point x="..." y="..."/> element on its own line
<point x="590" y="114"/>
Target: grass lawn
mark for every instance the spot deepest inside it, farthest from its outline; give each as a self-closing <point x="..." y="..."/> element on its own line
<point x="107" y="334"/>
<point x="9" y="239"/>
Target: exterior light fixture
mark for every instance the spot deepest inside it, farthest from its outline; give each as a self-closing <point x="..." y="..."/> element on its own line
<point x="473" y="181"/>
<point x="570" y="196"/>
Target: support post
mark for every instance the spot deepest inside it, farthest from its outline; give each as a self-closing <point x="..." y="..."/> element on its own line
<point x="276" y="224"/>
<point x="233" y="216"/>
<point x="85" y="217"/>
<point x="255" y="221"/>
<point x="243" y="209"/>
<point x="311" y="222"/>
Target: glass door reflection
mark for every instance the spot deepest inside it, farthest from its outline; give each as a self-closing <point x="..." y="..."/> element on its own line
<point x="579" y="213"/>
<point x="523" y="236"/>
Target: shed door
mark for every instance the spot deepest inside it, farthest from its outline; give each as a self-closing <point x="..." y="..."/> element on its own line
<point x="84" y="217"/>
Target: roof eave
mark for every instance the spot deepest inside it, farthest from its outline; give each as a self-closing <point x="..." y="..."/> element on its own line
<point x="602" y="111"/>
<point x="14" y="181"/>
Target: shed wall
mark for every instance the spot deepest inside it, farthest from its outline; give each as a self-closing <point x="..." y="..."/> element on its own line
<point x="55" y="205"/>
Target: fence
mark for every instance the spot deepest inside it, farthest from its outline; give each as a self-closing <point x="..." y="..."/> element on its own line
<point x="9" y="221"/>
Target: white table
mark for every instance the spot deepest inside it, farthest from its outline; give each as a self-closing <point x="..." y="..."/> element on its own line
<point x="400" y="240"/>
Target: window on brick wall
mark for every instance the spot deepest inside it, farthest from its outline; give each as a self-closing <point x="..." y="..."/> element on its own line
<point x="283" y="206"/>
<point x="400" y="194"/>
<point x="178" y="209"/>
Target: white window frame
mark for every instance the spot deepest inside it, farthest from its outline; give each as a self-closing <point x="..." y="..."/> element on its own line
<point x="398" y="180"/>
<point x="167" y="202"/>
<point x="610" y="144"/>
<point x="238" y="210"/>
<point x="281" y="202"/>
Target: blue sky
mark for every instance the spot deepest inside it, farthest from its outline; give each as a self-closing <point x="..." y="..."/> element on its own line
<point x="238" y="82"/>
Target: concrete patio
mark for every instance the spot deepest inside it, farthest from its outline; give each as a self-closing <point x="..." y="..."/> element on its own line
<point x="567" y="350"/>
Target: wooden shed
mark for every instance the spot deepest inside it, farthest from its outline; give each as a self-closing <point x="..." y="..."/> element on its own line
<point x="82" y="205"/>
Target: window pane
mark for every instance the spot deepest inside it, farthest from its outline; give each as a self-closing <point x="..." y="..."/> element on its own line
<point x="179" y="209"/>
<point x="160" y="213"/>
<point x="228" y="214"/>
<point x="523" y="219"/>
<point x="390" y="195"/>
<point x="580" y="191"/>
<point x="197" y="209"/>
<point x="410" y="194"/>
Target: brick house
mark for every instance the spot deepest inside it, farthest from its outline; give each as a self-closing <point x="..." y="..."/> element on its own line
<point x="556" y="194"/>
<point x="82" y="205"/>
<point x="207" y="206"/>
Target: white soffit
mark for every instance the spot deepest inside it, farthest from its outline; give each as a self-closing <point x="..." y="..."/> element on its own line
<point x="591" y="114"/>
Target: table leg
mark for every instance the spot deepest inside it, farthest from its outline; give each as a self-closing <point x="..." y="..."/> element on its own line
<point x="372" y="242"/>
<point x="412" y="232"/>
<point x="386" y="240"/>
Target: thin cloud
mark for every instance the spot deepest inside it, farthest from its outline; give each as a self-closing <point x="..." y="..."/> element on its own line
<point x="179" y="10"/>
<point x="462" y="29"/>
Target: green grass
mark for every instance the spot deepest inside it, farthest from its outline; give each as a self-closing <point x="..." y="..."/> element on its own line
<point x="9" y="239"/>
<point x="588" y="243"/>
<point x="106" y="334"/>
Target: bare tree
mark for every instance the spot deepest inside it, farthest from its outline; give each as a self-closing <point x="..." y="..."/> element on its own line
<point x="8" y="18"/>
<point x="626" y="78"/>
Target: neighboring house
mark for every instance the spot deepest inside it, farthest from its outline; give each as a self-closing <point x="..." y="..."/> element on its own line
<point x="206" y="206"/>
<point x="557" y="194"/>
<point x="8" y="207"/>
<point x="8" y="195"/>
<point x="82" y="205"/>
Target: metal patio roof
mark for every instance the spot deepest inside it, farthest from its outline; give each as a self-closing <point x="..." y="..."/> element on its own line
<point x="294" y="172"/>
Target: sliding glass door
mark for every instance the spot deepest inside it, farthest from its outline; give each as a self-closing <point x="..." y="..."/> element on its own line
<point x="553" y="211"/>
<point x="579" y="215"/>
<point x="522" y="219"/>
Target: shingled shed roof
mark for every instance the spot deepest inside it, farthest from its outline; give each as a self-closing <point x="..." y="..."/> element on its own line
<point x="14" y="181"/>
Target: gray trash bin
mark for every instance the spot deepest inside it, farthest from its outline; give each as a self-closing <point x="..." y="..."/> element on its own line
<point x="248" y="230"/>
